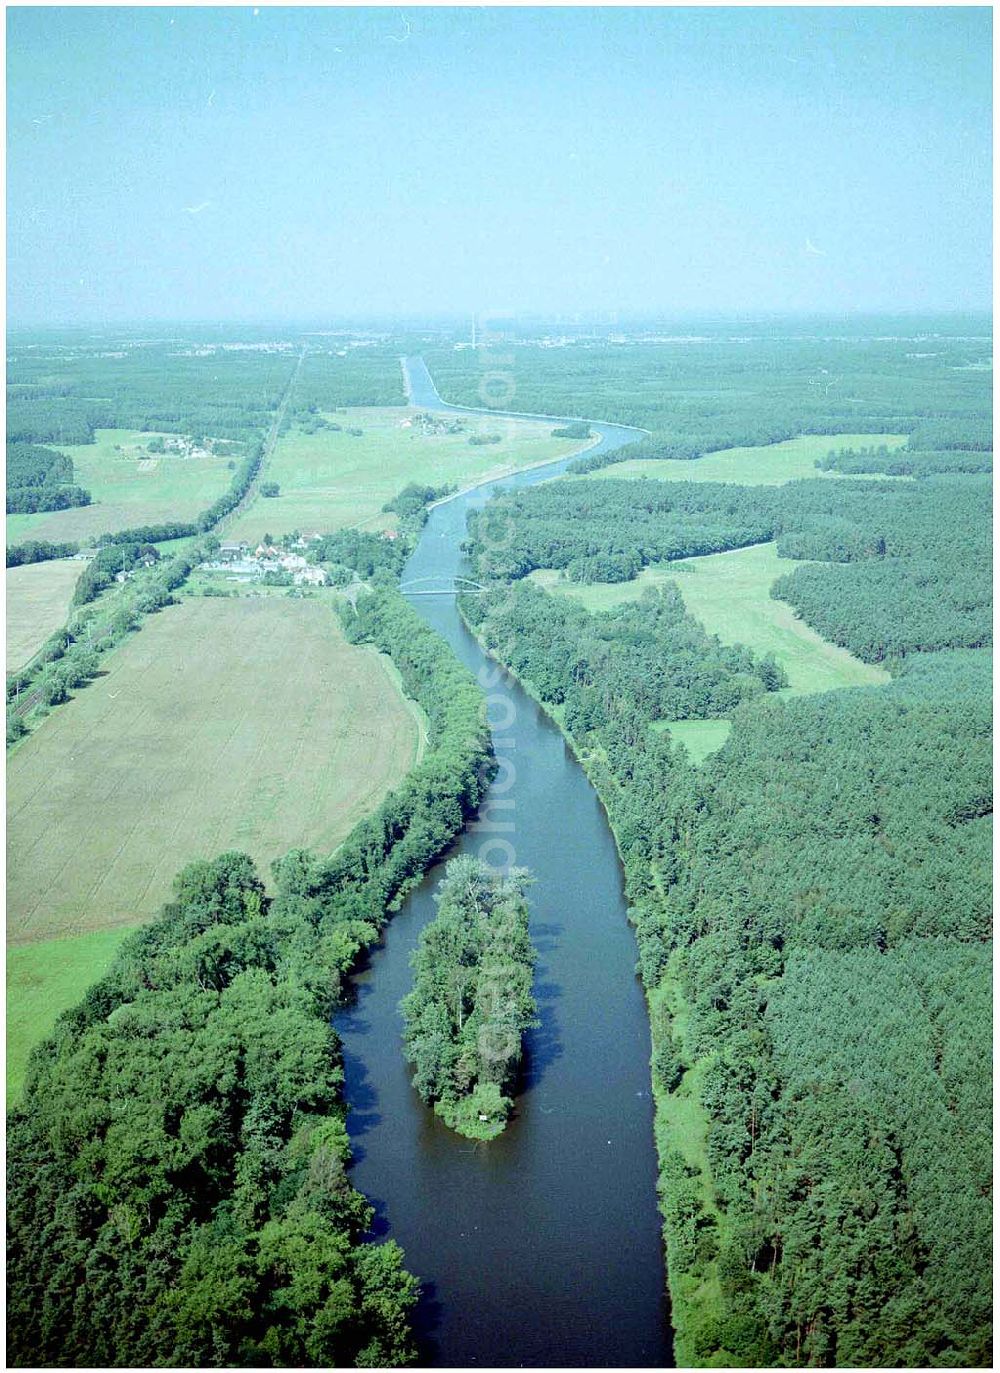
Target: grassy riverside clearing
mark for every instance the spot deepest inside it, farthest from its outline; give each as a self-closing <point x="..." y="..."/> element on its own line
<point x="225" y="724"/>
<point x="38" y="597"/>
<point x="331" y="480"/>
<point x="772" y="465"/>
<point x="681" y="1125"/>
<point x="126" y="491"/>
<point x="730" y="594"/>
<point x="45" y="979"/>
<point x="701" y="738"/>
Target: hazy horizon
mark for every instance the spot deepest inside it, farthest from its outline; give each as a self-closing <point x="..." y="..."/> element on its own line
<point x="294" y="166"/>
<point x="526" y="321"/>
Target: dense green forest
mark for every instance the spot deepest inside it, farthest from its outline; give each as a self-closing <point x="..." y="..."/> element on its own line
<point x="826" y="931"/>
<point x="812" y="904"/>
<point x="30" y="464"/>
<point x="471" y="1000"/>
<point x="39" y="479"/>
<point x="912" y="565"/>
<point x="642" y="661"/>
<point x="725" y="388"/>
<point x="32" y="500"/>
<point x="177" y="1189"/>
<point x="355" y="376"/>
<point x="904" y="462"/>
<point x="885" y="607"/>
<point x="913" y="558"/>
<point x="411" y="505"/>
<point x="60" y="394"/>
<point x="607" y="531"/>
<point x="152" y="533"/>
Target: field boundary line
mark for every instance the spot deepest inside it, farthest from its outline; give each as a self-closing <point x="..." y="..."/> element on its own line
<point x="270" y="443"/>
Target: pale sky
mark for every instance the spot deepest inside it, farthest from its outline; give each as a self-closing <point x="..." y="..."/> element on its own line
<point x="284" y="163"/>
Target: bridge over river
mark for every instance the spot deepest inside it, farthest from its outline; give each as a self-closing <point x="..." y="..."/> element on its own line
<point x="441" y="586"/>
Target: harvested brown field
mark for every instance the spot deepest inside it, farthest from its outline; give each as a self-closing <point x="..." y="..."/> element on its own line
<point x="38" y="597"/>
<point x="246" y="724"/>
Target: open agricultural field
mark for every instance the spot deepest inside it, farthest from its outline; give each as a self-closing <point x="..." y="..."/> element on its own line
<point x="329" y="480"/>
<point x="247" y="724"/>
<point x="127" y="487"/>
<point x="43" y="980"/>
<point x="730" y="594"/>
<point x="771" y="464"/>
<point x="38" y="597"/>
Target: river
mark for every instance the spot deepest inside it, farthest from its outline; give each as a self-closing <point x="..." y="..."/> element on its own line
<point x="542" y="1247"/>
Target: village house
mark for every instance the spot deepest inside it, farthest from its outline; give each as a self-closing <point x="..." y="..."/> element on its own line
<point x="245" y="569"/>
<point x="310" y="576"/>
<point x="147" y="560"/>
<point x="242" y="565"/>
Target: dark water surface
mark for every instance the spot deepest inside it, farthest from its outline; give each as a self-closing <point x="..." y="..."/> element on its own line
<point x="541" y="1247"/>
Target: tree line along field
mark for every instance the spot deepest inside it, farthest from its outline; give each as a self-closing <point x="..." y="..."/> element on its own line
<point x="335" y="478"/>
<point x="128" y="488"/>
<point x="105" y="405"/>
<point x="241" y="722"/>
<point x="223" y="724"/>
<point x="38" y="597"/>
<point x="730" y="594"/>
<point x="217" y="1015"/>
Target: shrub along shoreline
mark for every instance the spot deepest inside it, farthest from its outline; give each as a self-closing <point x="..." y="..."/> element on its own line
<point x="471" y="999"/>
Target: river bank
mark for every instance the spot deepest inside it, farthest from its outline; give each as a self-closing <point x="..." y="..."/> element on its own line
<point x="680" y="1122"/>
<point x="543" y="1246"/>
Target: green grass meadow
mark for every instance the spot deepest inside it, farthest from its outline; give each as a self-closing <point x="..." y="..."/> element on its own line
<point x="332" y="480"/>
<point x="771" y="465"/>
<point x="701" y="738"/>
<point x="43" y="980"/>
<point x="730" y="594"/>
<point x="247" y="724"/>
<point x="126" y="489"/>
